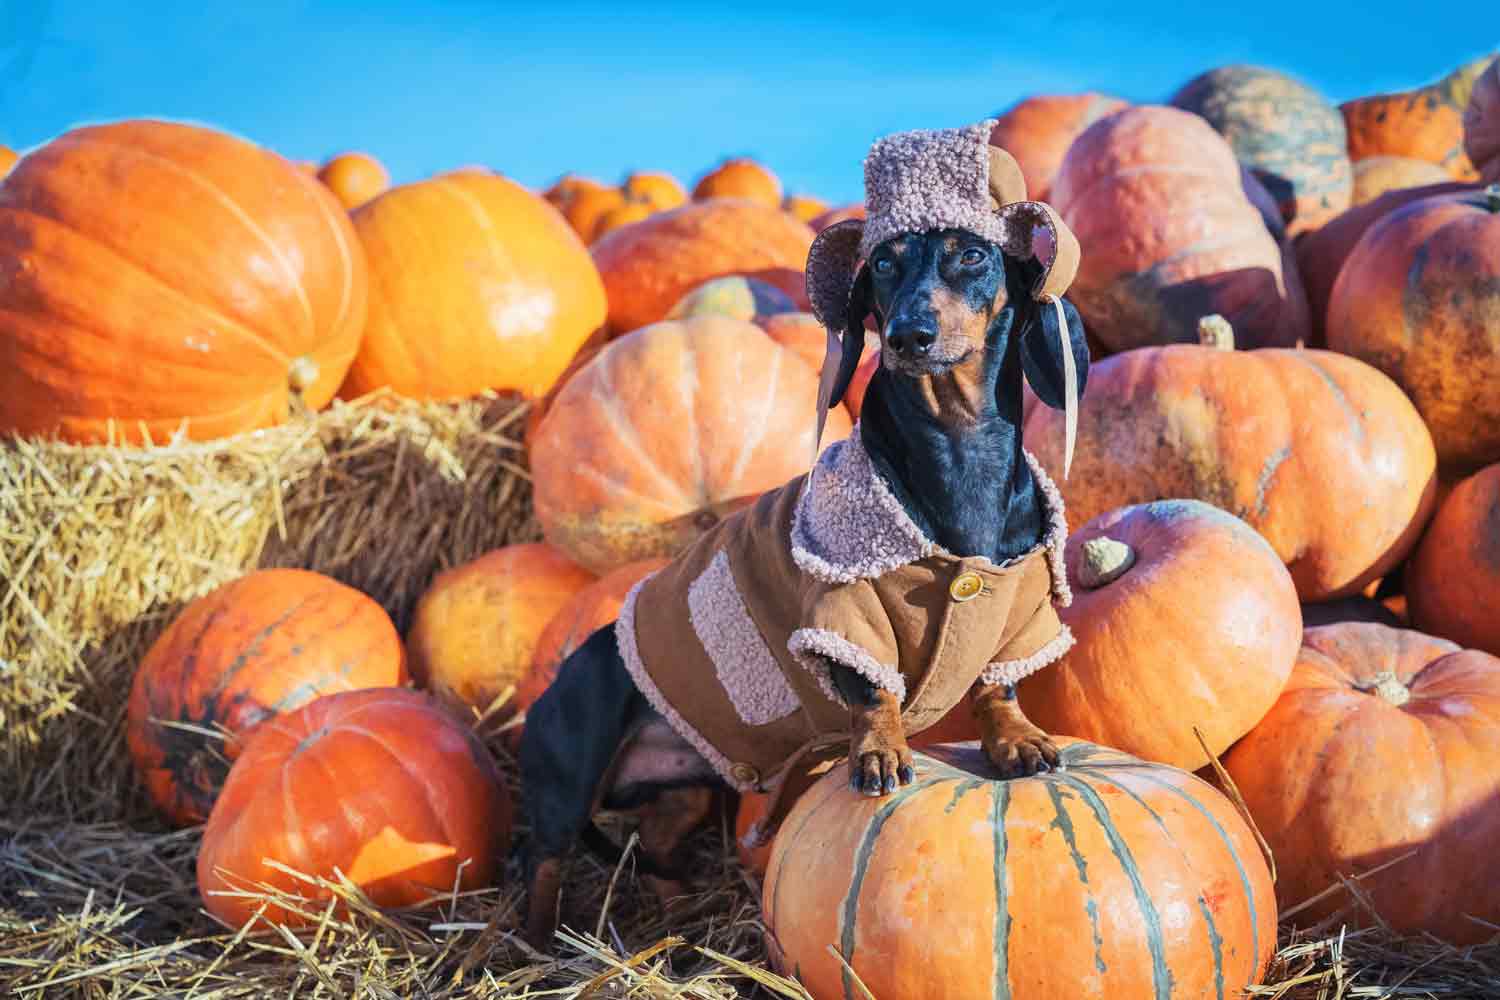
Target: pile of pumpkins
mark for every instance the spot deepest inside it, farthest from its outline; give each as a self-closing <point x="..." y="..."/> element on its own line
<point x="1285" y="507"/>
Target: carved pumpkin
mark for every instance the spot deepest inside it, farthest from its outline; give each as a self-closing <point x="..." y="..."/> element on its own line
<point x="255" y="647"/>
<point x="1289" y="136"/>
<point x="354" y="178"/>
<point x="648" y="267"/>
<point x="1453" y="580"/>
<point x="477" y="284"/>
<point x="1418" y="298"/>
<point x="665" y="432"/>
<point x="1482" y="124"/>
<point x="379" y="786"/>
<point x="1038" y="130"/>
<point x="154" y="273"/>
<point x="1110" y="878"/>
<point x="1384" y="742"/>
<point x="740" y="177"/>
<point x="1183" y="616"/>
<point x="1198" y="240"/>
<point x="1293" y="442"/>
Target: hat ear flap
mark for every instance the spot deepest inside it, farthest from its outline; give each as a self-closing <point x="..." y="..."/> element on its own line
<point x="861" y="304"/>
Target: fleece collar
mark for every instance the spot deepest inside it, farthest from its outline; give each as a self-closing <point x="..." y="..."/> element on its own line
<point x="849" y="526"/>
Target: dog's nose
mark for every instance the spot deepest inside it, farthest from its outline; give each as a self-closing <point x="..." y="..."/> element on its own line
<point x="911" y="339"/>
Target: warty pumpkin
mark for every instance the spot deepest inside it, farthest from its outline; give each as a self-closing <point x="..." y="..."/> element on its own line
<point x="1482" y="124"/>
<point x="1172" y="229"/>
<point x="477" y="284"/>
<point x="665" y="432"/>
<point x="380" y="787"/>
<point x="1297" y="443"/>
<point x="154" y="275"/>
<point x="354" y="178"/>
<point x="1184" y="617"/>
<point x="1038" y="130"/>
<point x="1383" y="743"/>
<point x="1108" y="878"/>
<point x="740" y="177"/>
<point x="255" y="647"/>
<point x="1453" y="579"/>
<point x="1419" y="298"/>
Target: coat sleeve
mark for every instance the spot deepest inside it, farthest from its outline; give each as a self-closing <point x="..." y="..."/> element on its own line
<point x="848" y="625"/>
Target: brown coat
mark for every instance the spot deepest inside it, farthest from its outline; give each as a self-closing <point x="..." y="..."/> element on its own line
<point x="727" y="642"/>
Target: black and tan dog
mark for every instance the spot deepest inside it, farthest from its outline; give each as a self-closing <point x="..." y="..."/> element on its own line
<point x="918" y="562"/>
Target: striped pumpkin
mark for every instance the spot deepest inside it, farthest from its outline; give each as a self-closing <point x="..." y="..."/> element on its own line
<point x="1109" y="878"/>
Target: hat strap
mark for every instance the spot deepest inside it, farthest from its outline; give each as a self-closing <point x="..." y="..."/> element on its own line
<point x="1070" y="382"/>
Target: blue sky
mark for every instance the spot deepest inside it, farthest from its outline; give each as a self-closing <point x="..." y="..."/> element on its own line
<point x="536" y="90"/>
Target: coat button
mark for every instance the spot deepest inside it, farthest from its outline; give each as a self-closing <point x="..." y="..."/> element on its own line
<point x="745" y="774"/>
<point x="965" y="586"/>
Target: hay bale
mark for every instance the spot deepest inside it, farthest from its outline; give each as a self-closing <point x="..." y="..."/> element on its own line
<point x="100" y="546"/>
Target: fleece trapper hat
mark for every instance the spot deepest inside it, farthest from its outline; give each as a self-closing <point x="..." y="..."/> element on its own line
<point x="930" y="179"/>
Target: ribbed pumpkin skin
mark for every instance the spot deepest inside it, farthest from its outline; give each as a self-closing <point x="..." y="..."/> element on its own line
<point x="1038" y="130"/>
<point x="258" y="646"/>
<point x="1341" y="780"/>
<point x="1414" y="123"/>
<point x="1289" y="136"/>
<point x="381" y="785"/>
<point x="1419" y="298"/>
<point x="1453" y="579"/>
<point x="648" y="267"/>
<point x="1295" y="443"/>
<point x="1173" y="229"/>
<point x="1482" y="124"/>
<point x="1376" y="175"/>
<point x="152" y="273"/>
<point x="1202" y="630"/>
<point x="1110" y="879"/>
<point x="476" y="283"/>
<point x="475" y="629"/>
<point x="666" y="431"/>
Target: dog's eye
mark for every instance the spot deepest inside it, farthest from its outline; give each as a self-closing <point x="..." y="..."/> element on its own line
<point x="883" y="265"/>
<point x="973" y="256"/>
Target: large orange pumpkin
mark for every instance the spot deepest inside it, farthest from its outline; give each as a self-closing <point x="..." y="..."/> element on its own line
<point x="1289" y="136"/>
<point x="1453" y="580"/>
<point x="1384" y="742"/>
<point x="261" y="645"/>
<point x="1319" y="452"/>
<point x="475" y="629"/>
<point x="1375" y="175"/>
<point x="1419" y="298"/>
<point x="1173" y="228"/>
<point x="1183" y="617"/>
<point x="1112" y="878"/>
<point x="1038" y="130"/>
<point x="354" y="178"/>
<point x="154" y="273"/>
<point x="1482" y="124"/>
<point x="666" y="431"/>
<point x="477" y="284"/>
<point x="740" y="177"/>
<point x="379" y="786"/>
<point x="648" y="267"/>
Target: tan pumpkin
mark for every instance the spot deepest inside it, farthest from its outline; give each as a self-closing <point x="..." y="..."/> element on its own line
<point x="665" y="432"/>
<point x="1375" y="175"/>
<point x="1293" y="442"/>
<point x="1453" y="579"/>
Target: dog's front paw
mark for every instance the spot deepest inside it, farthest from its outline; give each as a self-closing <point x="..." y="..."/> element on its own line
<point x="877" y="767"/>
<point x="1022" y="754"/>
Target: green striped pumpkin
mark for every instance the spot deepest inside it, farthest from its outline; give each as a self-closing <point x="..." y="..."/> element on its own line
<point x="1110" y="878"/>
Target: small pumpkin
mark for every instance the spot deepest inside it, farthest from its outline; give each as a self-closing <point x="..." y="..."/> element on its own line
<point x="666" y="431"/>
<point x="1375" y="175"/>
<point x="154" y="275"/>
<point x="1110" y="877"/>
<point x="833" y="216"/>
<point x="1382" y="744"/>
<point x="623" y="214"/>
<point x="251" y="649"/>
<point x="475" y="628"/>
<point x="1197" y="243"/>
<point x="740" y="177"/>
<point x="478" y="284"/>
<point x="661" y="191"/>
<point x="586" y="206"/>
<point x="1293" y="442"/>
<point x="1418" y="299"/>
<point x="1183" y="616"/>
<point x="648" y="267"/>
<point x="1289" y="136"/>
<point x="804" y="206"/>
<point x="1038" y="130"/>
<point x="379" y="787"/>
<point x="354" y="178"/>
<point x="1453" y="579"/>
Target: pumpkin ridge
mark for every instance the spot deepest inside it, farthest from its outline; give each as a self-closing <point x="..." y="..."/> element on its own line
<point x="438" y="817"/>
<point x="296" y="843"/>
<point x="1336" y="391"/>
<point x="1064" y="825"/>
<point x="758" y="428"/>
<point x="625" y="431"/>
<point x="964" y="788"/>
<point x="346" y="257"/>
<point x="999" y="805"/>
<point x="1161" y="976"/>
<point x="776" y="906"/>
<point x="253" y="648"/>
<point x="688" y="371"/>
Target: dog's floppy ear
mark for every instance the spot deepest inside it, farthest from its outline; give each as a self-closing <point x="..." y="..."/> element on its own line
<point x="1039" y="342"/>
<point x="861" y="304"/>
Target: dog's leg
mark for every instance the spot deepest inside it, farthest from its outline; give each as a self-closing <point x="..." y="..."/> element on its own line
<point x="1014" y="745"/>
<point x="879" y="758"/>
<point x="665" y="823"/>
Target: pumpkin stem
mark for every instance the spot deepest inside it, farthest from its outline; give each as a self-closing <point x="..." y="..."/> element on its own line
<point x="1214" y="331"/>
<point x="302" y="374"/>
<point x="1105" y="560"/>
<point x="1390" y="688"/>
